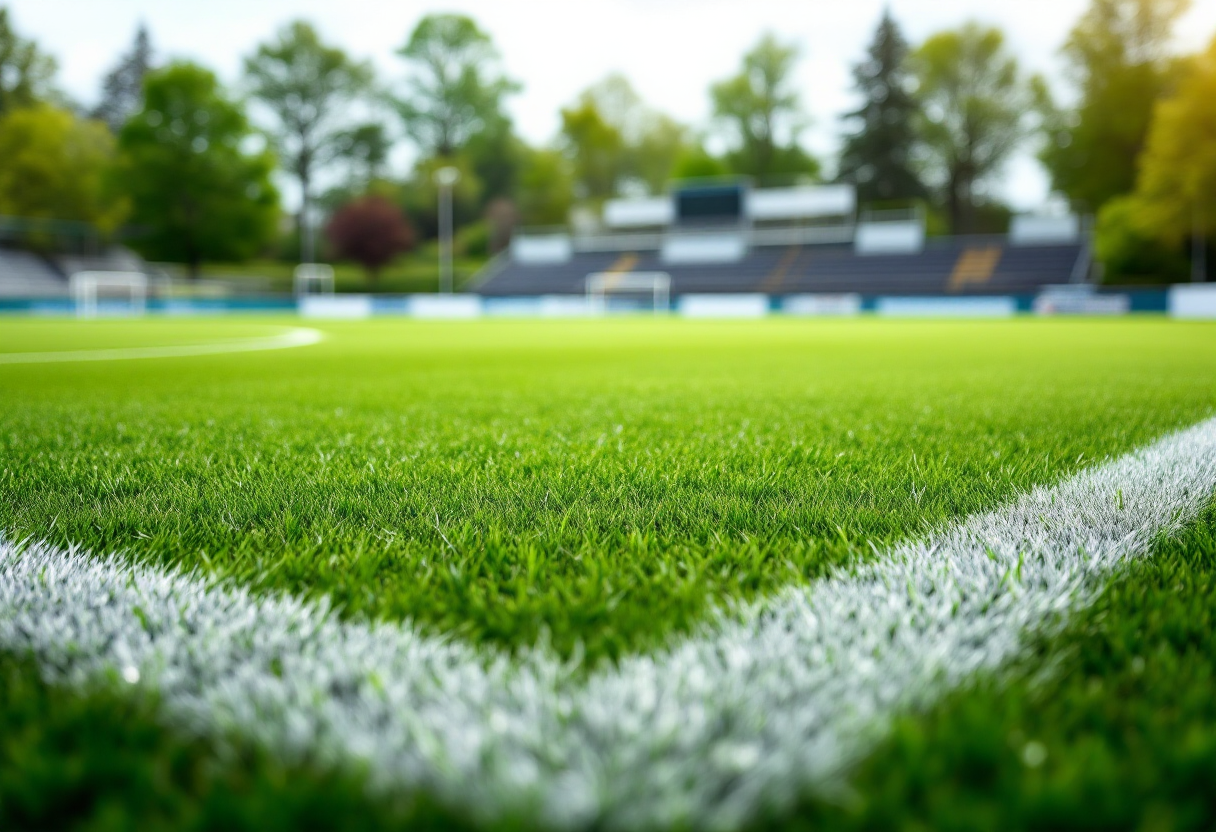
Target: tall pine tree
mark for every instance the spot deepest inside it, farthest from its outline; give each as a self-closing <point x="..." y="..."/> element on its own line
<point x="877" y="158"/>
<point x="123" y="89"/>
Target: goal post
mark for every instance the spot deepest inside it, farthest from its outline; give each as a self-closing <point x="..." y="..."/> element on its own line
<point x="600" y="285"/>
<point x="314" y="279"/>
<point x="89" y="288"/>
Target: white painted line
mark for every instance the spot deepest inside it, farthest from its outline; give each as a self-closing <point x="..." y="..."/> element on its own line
<point x="760" y="704"/>
<point x="293" y="337"/>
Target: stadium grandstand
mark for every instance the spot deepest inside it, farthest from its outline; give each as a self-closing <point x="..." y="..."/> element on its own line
<point x="38" y="256"/>
<point x="730" y="238"/>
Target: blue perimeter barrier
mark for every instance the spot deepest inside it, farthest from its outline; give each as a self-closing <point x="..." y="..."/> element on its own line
<point x="469" y="306"/>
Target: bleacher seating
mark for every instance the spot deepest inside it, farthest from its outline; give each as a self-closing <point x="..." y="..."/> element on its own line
<point x="26" y="275"/>
<point x="990" y="267"/>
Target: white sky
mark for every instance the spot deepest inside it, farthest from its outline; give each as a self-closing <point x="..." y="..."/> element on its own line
<point x="670" y="49"/>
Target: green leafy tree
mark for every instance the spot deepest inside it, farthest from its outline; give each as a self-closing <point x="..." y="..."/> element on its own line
<point x="26" y="74"/>
<point x="55" y="166"/>
<point x="652" y="156"/>
<point x="495" y="154"/>
<point x="1120" y="61"/>
<point x="760" y="111"/>
<point x="596" y="149"/>
<point x="878" y="157"/>
<point x="973" y="103"/>
<point x="616" y="141"/>
<point x="123" y="88"/>
<point x="455" y="89"/>
<point x="695" y="162"/>
<point x="1175" y="194"/>
<point x="306" y="85"/>
<point x="197" y="191"/>
<point x="366" y="149"/>
<point x="546" y="190"/>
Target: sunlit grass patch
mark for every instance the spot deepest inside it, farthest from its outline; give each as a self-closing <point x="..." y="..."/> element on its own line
<point x="596" y="485"/>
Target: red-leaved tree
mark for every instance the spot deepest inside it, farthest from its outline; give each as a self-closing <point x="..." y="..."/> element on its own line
<point x="371" y="231"/>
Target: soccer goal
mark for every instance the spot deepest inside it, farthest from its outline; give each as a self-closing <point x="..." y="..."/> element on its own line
<point x="123" y="293"/>
<point x="314" y="279"/>
<point x="632" y="286"/>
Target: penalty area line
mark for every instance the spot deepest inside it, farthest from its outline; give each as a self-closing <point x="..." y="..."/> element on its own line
<point x="740" y="717"/>
<point x="293" y="337"/>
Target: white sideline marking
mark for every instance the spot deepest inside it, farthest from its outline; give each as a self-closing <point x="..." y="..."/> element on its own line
<point x="758" y="705"/>
<point x="293" y="337"/>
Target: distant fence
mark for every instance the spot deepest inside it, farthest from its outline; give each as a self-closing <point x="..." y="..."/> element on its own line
<point x="1185" y="302"/>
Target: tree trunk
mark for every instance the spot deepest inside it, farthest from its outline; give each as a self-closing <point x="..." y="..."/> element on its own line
<point x="954" y="204"/>
<point x="960" y="203"/>
<point x="308" y="240"/>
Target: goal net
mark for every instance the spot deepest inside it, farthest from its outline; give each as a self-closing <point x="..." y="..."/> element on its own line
<point x="629" y="290"/>
<point x="118" y="293"/>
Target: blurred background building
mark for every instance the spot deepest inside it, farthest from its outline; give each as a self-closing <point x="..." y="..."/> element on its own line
<point x="221" y="184"/>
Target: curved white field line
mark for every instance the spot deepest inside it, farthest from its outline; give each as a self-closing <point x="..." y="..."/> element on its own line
<point x="757" y="706"/>
<point x="293" y="337"/>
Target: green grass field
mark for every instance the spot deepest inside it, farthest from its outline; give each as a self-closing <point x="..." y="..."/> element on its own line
<point x="598" y="488"/>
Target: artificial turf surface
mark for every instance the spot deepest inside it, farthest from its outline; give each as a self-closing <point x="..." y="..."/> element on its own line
<point x="593" y="485"/>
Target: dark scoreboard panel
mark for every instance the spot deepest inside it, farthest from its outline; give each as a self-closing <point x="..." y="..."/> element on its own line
<point x="709" y="202"/>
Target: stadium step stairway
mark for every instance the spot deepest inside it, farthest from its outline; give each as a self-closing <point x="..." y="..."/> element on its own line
<point x="983" y="266"/>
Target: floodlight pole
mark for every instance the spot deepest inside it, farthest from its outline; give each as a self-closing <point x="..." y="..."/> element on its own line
<point x="445" y="178"/>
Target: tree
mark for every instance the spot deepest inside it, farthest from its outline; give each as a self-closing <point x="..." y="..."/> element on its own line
<point x="546" y="190"/>
<point x="306" y="85"/>
<point x="371" y="231"/>
<point x="1175" y="194"/>
<point x="123" y="88"/>
<point x="616" y="142"/>
<point x="55" y="166"/>
<point x="651" y="158"/>
<point x="695" y="162"/>
<point x="973" y="101"/>
<point x="596" y="149"/>
<point x="26" y="75"/>
<point x="455" y="88"/>
<point x="502" y="217"/>
<point x="495" y="154"/>
<point x="761" y="113"/>
<point x="877" y="158"/>
<point x="1119" y="57"/>
<point x="366" y="149"/>
<point x="196" y="188"/>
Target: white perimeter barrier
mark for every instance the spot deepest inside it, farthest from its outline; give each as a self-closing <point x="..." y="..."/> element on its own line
<point x="461" y="307"/>
<point x="1069" y="300"/>
<point x="997" y="307"/>
<point x="1196" y="302"/>
<point x="724" y="306"/>
<point x="346" y="307"/>
<point x="546" y="306"/>
<point x="831" y="305"/>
